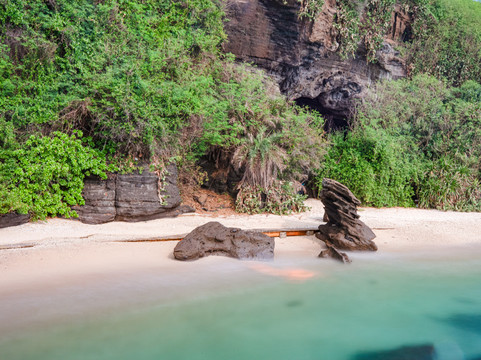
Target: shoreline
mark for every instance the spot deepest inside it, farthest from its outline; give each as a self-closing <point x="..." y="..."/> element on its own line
<point x="68" y="244"/>
<point x="395" y="228"/>
<point x="84" y="264"/>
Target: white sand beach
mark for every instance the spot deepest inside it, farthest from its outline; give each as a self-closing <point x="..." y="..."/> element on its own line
<point x="63" y="251"/>
<point x="73" y="271"/>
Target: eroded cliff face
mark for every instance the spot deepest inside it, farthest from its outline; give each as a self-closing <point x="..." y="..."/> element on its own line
<point x="301" y="54"/>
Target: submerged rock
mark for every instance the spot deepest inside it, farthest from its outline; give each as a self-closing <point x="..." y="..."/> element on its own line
<point x="214" y="238"/>
<point x="343" y="230"/>
<point x="332" y="252"/>
<point x="416" y="352"/>
<point x="466" y="322"/>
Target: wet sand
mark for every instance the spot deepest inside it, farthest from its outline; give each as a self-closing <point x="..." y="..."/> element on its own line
<point x="81" y="265"/>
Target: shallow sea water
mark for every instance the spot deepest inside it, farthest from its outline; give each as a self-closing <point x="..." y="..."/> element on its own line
<point x="349" y="312"/>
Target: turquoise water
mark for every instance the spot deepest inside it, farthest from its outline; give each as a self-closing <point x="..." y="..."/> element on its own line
<point x="376" y="304"/>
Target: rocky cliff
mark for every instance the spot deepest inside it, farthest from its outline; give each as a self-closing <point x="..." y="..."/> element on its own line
<point x="302" y="54"/>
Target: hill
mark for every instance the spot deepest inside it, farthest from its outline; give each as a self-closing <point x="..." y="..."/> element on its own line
<point x="91" y="87"/>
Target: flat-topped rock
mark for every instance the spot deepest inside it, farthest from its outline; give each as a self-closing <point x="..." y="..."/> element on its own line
<point x="214" y="238"/>
<point x="130" y="197"/>
<point x="343" y="230"/>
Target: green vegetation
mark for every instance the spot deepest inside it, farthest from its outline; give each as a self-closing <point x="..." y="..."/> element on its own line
<point x="141" y="80"/>
<point x="418" y="141"/>
<point x="413" y="141"/>
<point x="279" y="199"/>
<point x="362" y="22"/>
<point x="89" y="86"/>
<point x="48" y="175"/>
<point x="310" y="9"/>
<point x="447" y="40"/>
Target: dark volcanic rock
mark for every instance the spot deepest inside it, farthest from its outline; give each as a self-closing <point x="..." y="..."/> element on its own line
<point x="302" y="55"/>
<point x="222" y="177"/>
<point x="332" y="252"/>
<point x="99" y="198"/>
<point x="132" y="197"/>
<point x="138" y="198"/>
<point x="13" y="219"/>
<point x="343" y="230"/>
<point x="214" y="238"/>
<point x="416" y="352"/>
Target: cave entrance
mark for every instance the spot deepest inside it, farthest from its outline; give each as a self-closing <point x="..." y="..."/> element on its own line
<point x="335" y="120"/>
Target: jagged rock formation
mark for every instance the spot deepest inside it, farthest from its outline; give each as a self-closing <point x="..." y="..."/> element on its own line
<point x="132" y="197"/>
<point x="214" y="238"/>
<point x="343" y="230"/>
<point x="13" y="219"/>
<point x="332" y="252"/>
<point x="301" y="55"/>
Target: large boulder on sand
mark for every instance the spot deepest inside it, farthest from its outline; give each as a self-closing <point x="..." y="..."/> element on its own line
<point x="343" y="230"/>
<point x="214" y="238"/>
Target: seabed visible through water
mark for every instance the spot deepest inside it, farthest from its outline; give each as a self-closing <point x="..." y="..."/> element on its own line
<point x="427" y="306"/>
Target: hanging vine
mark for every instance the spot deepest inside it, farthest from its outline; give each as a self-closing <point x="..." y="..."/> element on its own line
<point x="362" y="22"/>
<point x="375" y="25"/>
<point x="347" y="23"/>
<point x="310" y="8"/>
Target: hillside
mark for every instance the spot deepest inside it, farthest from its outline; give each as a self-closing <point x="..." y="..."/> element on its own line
<point x="92" y="87"/>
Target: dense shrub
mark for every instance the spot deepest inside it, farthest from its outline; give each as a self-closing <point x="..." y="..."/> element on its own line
<point x="280" y="199"/>
<point x="413" y="140"/>
<point x="373" y="164"/>
<point x="45" y="176"/>
<point x="141" y="79"/>
<point x="122" y="72"/>
<point x="446" y="40"/>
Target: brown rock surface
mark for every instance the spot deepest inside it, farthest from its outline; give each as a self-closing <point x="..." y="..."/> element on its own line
<point x="301" y="55"/>
<point x="214" y="238"/>
<point x="13" y="219"/>
<point x="132" y="197"/>
<point x="332" y="252"/>
<point x="343" y="230"/>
